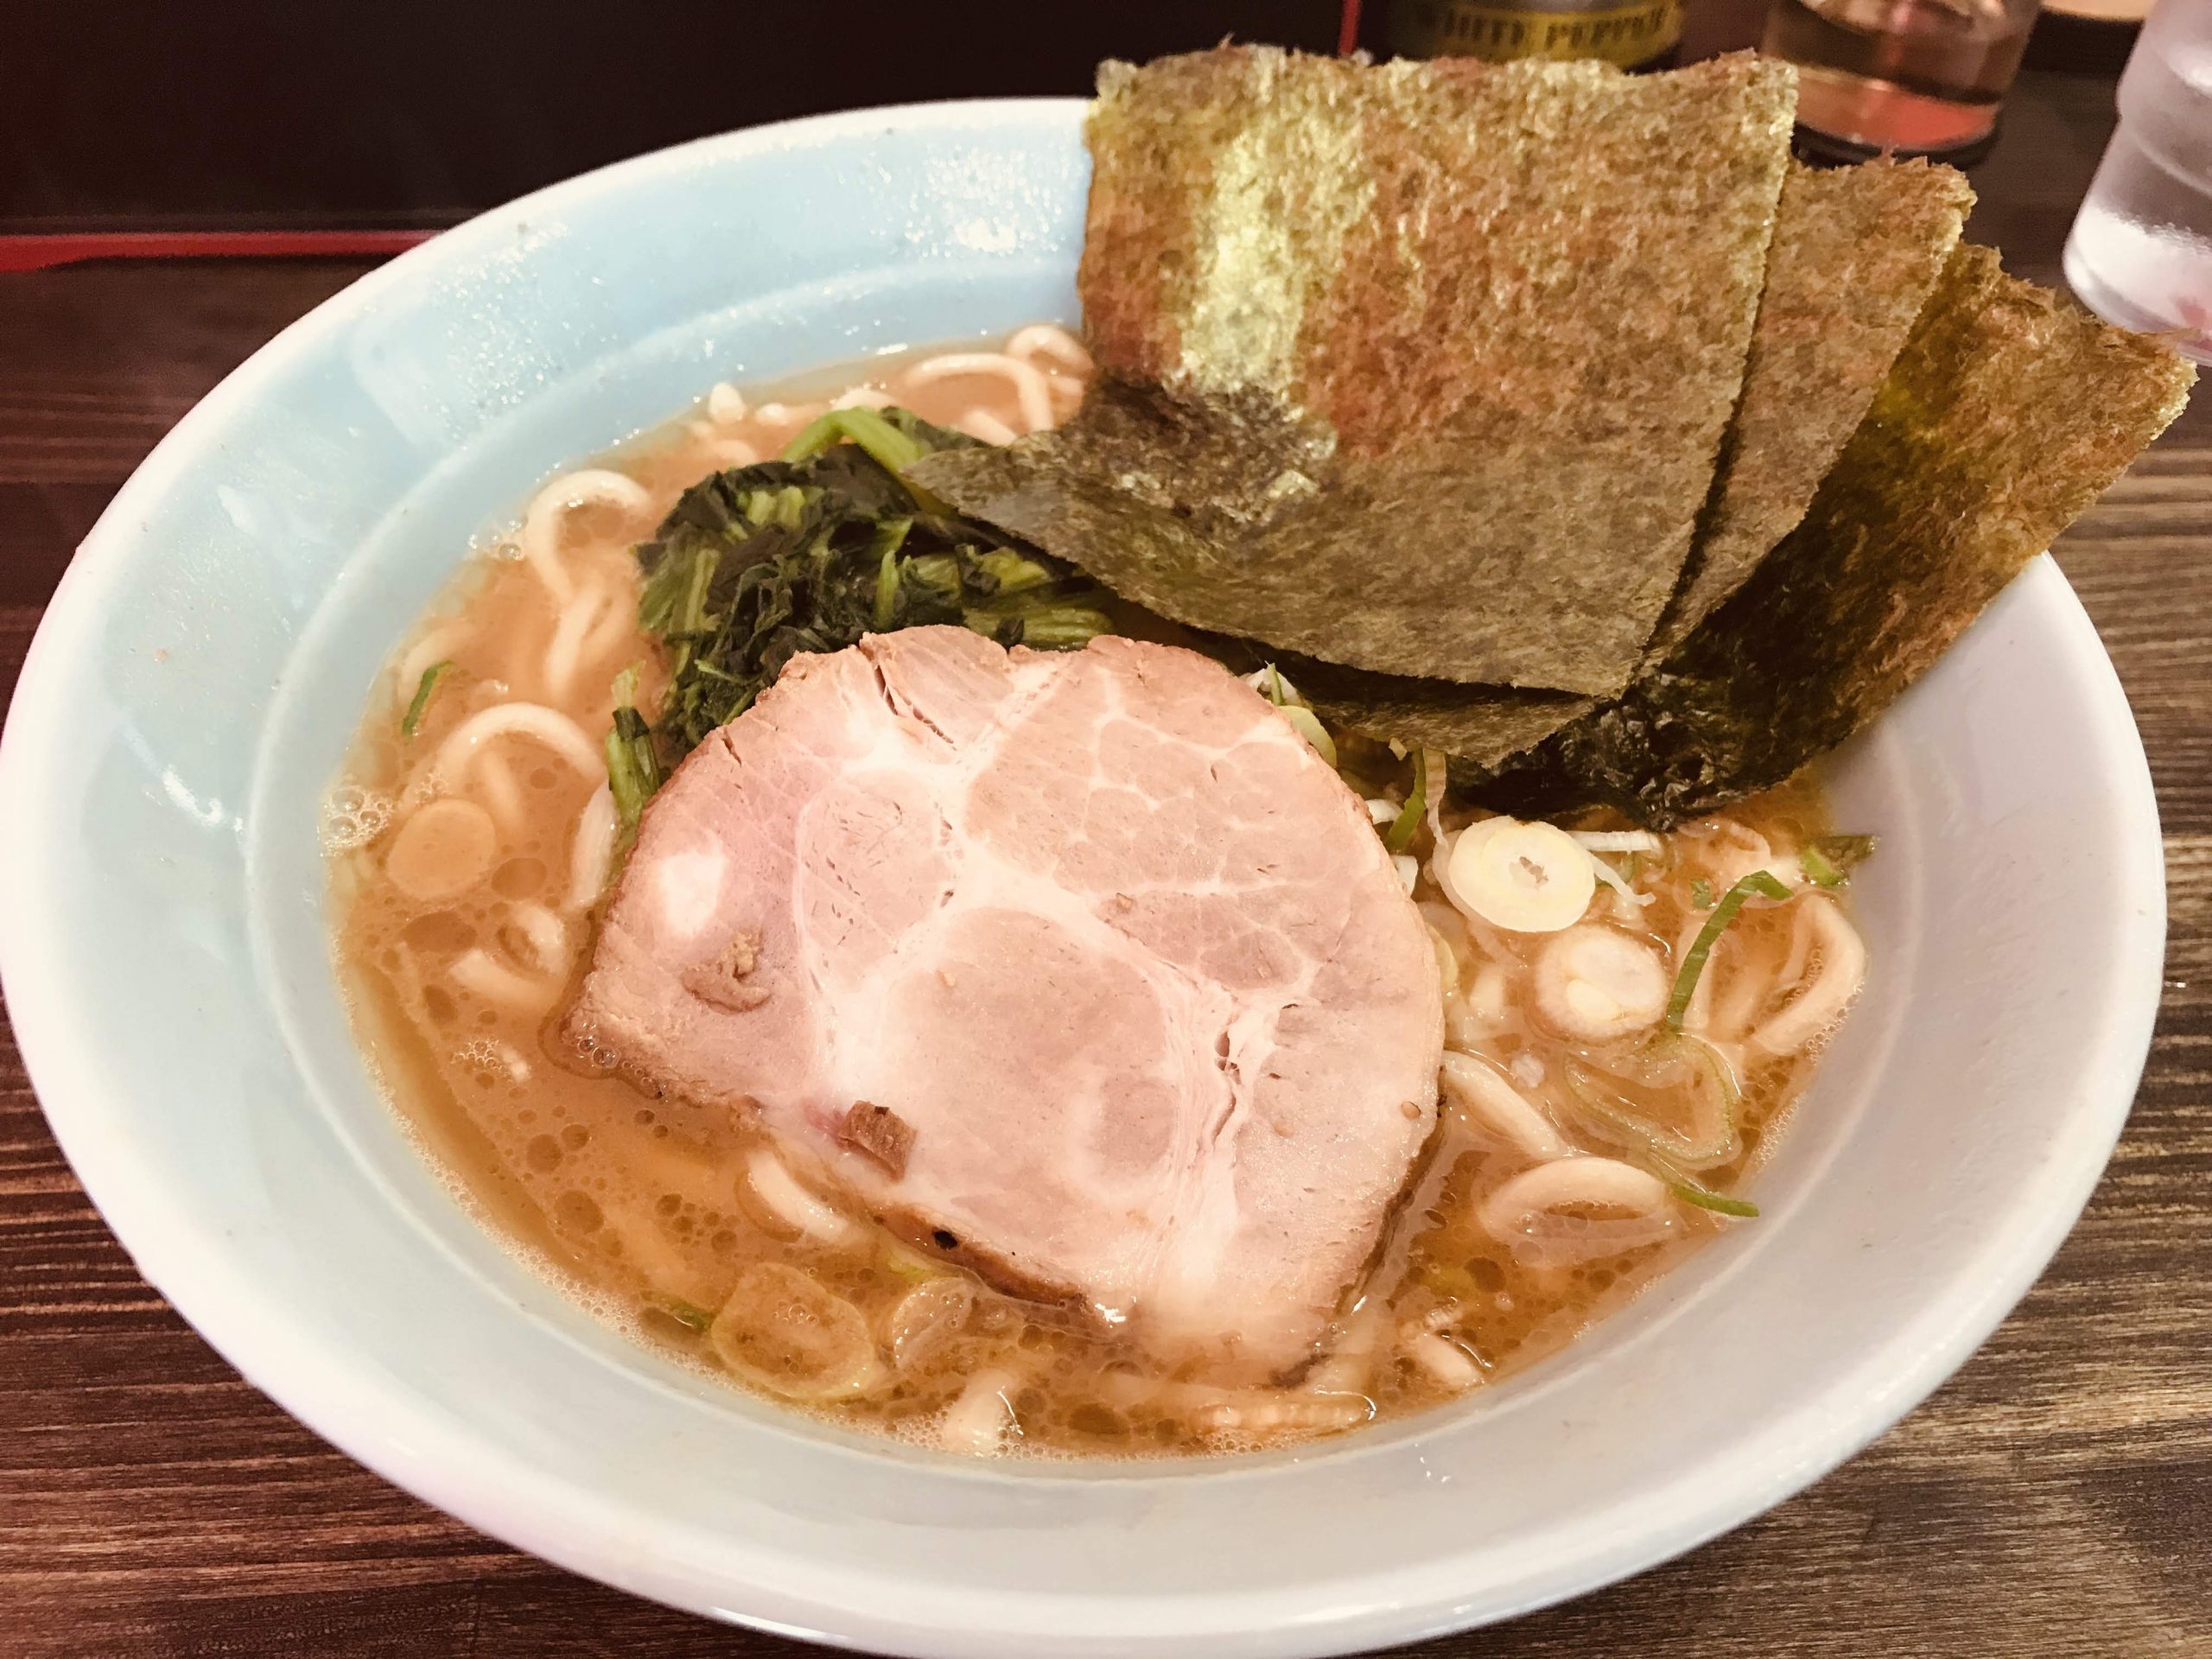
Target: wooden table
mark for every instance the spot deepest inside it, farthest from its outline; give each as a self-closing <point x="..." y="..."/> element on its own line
<point x="2054" y="1500"/>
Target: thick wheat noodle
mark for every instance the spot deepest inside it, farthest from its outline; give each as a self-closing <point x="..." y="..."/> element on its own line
<point x="793" y="1204"/>
<point x="723" y="452"/>
<point x="1494" y="1103"/>
<point x="1049" y="340"/>
<point x="726" y="404"/>
<point x="407" y="980"/>
<point x="532" y="720"/>
<point x="1842" y="969"/>
<point x="1446" y="1361"/>
<point x="787" y="414"/>
<point x="432" y="648"/>
<point x="546" y="935"/>
<point x="542" y="522"/>
<point x="982" y="423"/>
<point x="1031" y="395"/>
<point x="475" y="970"/>
<point x="564" y="654"/>
<point x="1422" y="1342"/>
<point x="618" y="625"/>
<point x="592" y="850"/>
<point x="1345" y="1367"/>
<point x="1739" y="992"/>
<point x="1262" y="1411"/>
<point x="977" y="1421"/>
<point x="1605" y="1183"/>
<point x="1801" y="948"/>
<point x="1751" y="851"/>
<point x="1534" y="1195"/>
<point x="502" y="794"/>
<point x="862" y="398"/>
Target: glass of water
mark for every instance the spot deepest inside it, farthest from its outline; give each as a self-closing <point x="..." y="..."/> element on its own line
<point x="1917" y="77"/>
<point x="2141" y="250"/>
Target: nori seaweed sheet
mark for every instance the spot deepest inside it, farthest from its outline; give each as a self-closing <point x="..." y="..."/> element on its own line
<point x="1855" y="253"/>
<point x="1422" y="368"/>
<point x="2009" y="410"/>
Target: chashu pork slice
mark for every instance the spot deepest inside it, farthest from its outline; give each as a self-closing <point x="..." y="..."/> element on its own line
<point x="1081" y="965"/>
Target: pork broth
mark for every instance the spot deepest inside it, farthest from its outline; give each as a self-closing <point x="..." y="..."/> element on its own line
<point x="1585" y="1141"/>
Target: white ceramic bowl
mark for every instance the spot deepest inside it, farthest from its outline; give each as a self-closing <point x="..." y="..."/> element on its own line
<point x="190" y="695"/>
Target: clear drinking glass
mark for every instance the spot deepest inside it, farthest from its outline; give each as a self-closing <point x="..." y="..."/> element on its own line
<point x="2141" y="250"/>
<point x="1918" y="77"/>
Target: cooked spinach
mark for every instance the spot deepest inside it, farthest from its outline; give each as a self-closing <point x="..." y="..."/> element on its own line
<point x="807" y="553"/>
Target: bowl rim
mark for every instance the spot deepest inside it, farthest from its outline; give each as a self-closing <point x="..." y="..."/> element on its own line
<point x="381" y="1431"/>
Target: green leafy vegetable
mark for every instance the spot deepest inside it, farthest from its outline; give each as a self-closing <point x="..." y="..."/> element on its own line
<point x="412" y="720"/>
<point x="1406" y="825"/>
<point x="809" y="553"/>
<point x="893" y="449"/>
<point x="1701" y="893"/>
<point x="1758" y="881"/>
<point x="1828" y="860"/>
<point x="632" y="762"/>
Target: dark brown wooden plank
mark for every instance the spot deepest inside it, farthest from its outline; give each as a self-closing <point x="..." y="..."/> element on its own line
<point x="2142" y="562"/>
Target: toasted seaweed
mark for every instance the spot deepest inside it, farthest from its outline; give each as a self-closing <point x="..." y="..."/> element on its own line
<point x="1855" y="253"/>
<point x="1485" y="726"/>
<point x="1422" y="368"/>
<point x="2008" y="411"/>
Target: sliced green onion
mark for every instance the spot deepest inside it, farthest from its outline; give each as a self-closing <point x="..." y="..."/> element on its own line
<point x="1701" y="893"/>
<point x="692" y="1316"/>
<point x="1719" y="1203"/>
<point x="1307" y="724"/>
<point x="1595" y="1089"/>
<point x="1828" y="860"/>
<point x="1758" y="881"/>
<point x="1406" y="825"/>
<point x="413" y="718"/>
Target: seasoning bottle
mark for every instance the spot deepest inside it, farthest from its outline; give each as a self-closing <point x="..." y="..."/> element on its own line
<point x="1634" y="33"/>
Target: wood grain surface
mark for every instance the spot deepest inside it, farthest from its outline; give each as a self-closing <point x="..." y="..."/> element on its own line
<point x="2053" y="1501"/>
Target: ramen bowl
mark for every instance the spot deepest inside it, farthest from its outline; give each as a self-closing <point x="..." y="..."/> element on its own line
<point x="166" y="956"/>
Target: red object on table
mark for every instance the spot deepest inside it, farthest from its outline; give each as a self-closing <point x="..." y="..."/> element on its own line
<point x="38" y="252"/>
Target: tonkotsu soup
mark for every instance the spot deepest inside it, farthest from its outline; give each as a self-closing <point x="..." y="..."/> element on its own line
<point x="1628" y="1019"/>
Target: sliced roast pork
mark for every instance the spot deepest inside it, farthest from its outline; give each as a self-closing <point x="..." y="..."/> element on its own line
<point x="1081" y="967"/>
